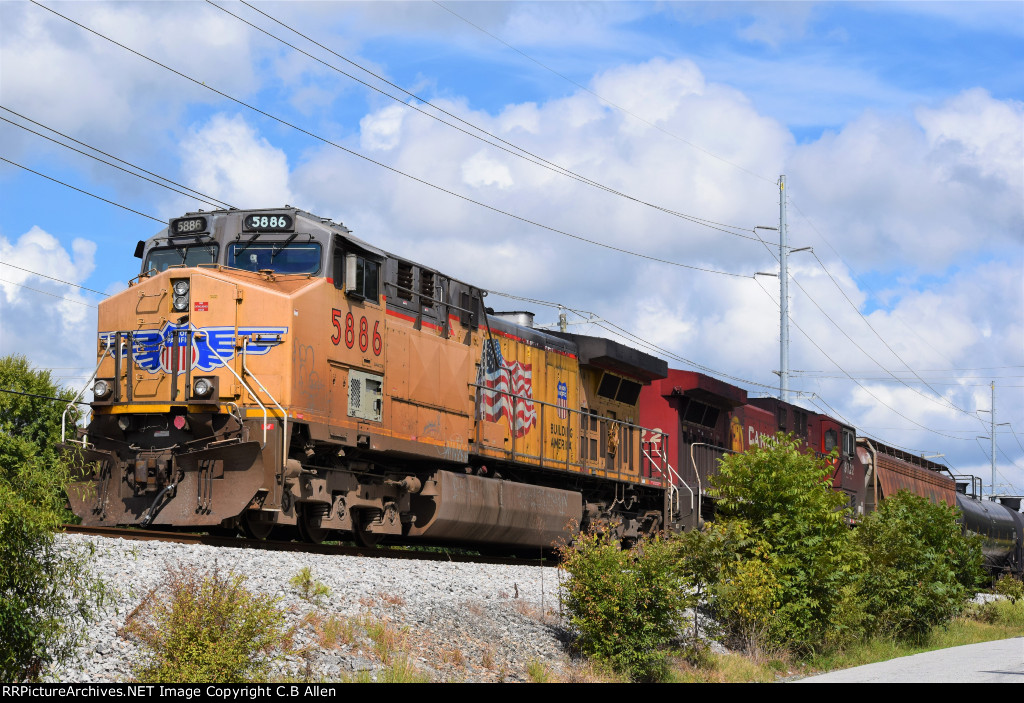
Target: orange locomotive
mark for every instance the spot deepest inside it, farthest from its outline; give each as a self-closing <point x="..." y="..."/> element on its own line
<point x="268" y="369"/>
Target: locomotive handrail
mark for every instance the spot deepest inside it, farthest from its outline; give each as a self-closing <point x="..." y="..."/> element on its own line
<point x="245" y="385"/>
<point x="284" y="413"/>
<point x="541" y="458"/>
<point x="64" y="415"/>
<point x="416" y="294"/>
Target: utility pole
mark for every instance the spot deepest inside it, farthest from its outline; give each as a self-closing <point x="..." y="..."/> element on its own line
<point x="992" y="416"/>
<point x="783" y="296"/>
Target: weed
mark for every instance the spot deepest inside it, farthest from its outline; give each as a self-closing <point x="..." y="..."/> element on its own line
<point x="538" y="673"/>
<point x="391" y="599"/>
<point x="335" y="631"/>
<point x="309" y="589"/>
<point x="386" y="638"/>
<point x="487" y="658"/>
<point x="207" y="628"/>
<point x="401" y="670"/>
<point x="1009" y="586"/>
<point x="453" y="656"/>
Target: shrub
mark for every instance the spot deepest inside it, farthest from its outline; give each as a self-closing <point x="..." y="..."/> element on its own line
<point x="920" y="568"/>
<point x="625" y="604"/>
<point x="795" y="550"/>
<point x="1009" y="586"/>
<point x="207" y="628"/>
<point x="46" y="592"/>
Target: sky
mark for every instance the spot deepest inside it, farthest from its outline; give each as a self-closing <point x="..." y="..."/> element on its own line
<point x="613" y="158"/>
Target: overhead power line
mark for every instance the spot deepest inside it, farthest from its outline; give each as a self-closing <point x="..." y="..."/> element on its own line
<point x="626" y="334"/>
<point x="44" y="397"/>
<point x="36" y="290"/>
<point x="92" y="195"/>
<point x="861" y="385"/>
<point x="941" y="400"/>
<point x="43" y="275"/>
<point x="498" y="142"/>
<point x="217" y="204"/>
<point x="850" y="268"/>
<point x="392" y="169"/>
<point x="603" y="99"/>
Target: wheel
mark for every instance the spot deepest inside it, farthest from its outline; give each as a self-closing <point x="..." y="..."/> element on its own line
<point x="256" y="529"/>
<point x="309" y="523"/>
<point x="364" y="538"/>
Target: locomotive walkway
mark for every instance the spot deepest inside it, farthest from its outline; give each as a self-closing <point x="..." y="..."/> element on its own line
<point x="1001" y="661"/>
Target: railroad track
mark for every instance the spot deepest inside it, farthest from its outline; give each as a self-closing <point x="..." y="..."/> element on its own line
<point x="386" y="552"/>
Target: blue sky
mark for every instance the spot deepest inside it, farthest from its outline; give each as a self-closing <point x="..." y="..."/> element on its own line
<point x="899" y="126"/>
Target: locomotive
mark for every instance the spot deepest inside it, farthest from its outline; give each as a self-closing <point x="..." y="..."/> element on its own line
<point x="267" y="370"/>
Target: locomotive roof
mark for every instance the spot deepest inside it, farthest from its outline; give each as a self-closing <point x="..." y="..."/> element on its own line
<point x="610" y="355"/>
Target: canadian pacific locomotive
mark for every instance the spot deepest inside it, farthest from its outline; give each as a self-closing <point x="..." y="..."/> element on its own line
<point x="269" y="370"/>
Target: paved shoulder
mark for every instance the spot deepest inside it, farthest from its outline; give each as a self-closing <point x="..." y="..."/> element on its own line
<point x="988" y="662"/>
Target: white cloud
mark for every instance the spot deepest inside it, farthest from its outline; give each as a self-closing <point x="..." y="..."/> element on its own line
<point x="60" y="74"/>
<point x="381" y="131"/>
<point x="480" y="170"/>
<point x="926" y="194"/>
<point x="227" y="157"/>
<point x="47" y="320"/>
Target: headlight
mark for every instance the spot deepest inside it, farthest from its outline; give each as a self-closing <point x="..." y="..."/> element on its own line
<point x="181" y="303"/>
<point x="202" y="388"/>
<point x="180" y="287"/>
<point x="101" y="389"/>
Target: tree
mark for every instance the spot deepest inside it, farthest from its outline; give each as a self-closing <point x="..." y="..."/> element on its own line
<point x="796" y="556"/>
<point x="45" y="593"/>
<point x="920" y="568"/>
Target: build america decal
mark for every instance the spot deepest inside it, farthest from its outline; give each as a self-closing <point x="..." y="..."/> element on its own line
<point x="212" y="347"/>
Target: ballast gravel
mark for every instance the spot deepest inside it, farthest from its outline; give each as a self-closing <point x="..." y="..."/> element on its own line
<point x="449" y="621"/>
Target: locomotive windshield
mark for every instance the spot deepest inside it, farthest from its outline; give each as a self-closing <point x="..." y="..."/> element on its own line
<point x="159" y="259"/>
<point x="282" y="257"/>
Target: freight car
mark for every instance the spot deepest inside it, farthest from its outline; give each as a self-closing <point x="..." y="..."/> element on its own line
<point x="269" y="370"/>
<point x="709" y="418"/>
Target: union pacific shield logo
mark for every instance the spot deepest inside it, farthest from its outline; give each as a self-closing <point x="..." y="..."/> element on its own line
<point x="212" y="347"/>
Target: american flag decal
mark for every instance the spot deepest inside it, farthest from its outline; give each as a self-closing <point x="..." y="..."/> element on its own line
<point x="563" y="400"/>
<point x="501" y="381"/>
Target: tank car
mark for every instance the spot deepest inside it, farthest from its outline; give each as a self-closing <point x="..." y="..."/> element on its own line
<point x="998" y="523"/>
<point x="267" y="369"/>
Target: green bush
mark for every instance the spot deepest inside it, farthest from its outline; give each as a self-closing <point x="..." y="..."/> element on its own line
<point x="46" y="593"/>
<point x="795" y="554"/>
<point x="625" y="604"/>
<point x="920" y="568"/>
<point x="1010" y="586"/>
<point x="207" y="628"/>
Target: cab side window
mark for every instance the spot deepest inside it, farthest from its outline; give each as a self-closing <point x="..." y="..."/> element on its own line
<point x="358" y="276"/>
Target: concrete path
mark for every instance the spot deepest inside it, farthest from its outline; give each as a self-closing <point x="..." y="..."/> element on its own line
<point x="1001" y="661"/>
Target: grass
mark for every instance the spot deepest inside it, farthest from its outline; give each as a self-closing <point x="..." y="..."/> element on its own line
<point x="724" y="668"/>
<point x="985" y="623"/>
<point x="993" y="621"/>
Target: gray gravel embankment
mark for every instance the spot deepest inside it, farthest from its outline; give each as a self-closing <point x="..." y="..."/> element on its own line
<point x="463" y="622"/>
